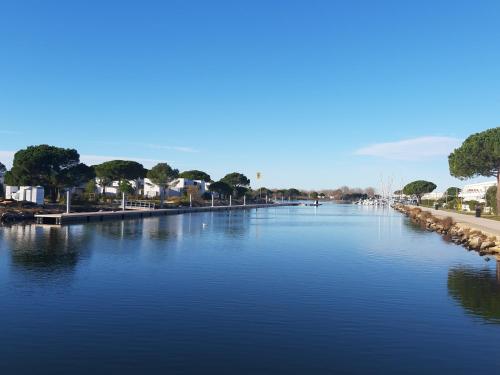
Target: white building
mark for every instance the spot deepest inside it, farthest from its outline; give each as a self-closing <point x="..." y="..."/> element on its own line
<point x="476" y="192"/>
<point x="434" y="196"/>
<point x="181" y="184"/>
<point x="33" y="194"/>
<point x="151" y="190"/>
<point x="176" y="188"/>
<point x="112" y="188"/>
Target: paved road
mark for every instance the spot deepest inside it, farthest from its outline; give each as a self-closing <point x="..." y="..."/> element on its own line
<point x="485" y="225"/>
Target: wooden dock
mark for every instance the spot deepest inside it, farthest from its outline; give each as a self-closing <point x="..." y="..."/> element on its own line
<point x="87" y="217"/>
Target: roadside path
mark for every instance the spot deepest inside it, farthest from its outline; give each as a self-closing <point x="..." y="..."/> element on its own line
<point x="484" y="225"/>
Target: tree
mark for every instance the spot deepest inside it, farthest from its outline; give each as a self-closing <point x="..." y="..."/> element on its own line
<point x="162" y="175"/>
<point x="452" y="192"/>
<point x="293" y="193"/>
<point x="236" y="179"/>
<point x="479" y="155"/>
<point x="263" y="191"/>
<point x="221" y="188"/>
<point x="419" y="188"/>
<point x="195" y="175"/>
<point x="491" y="199"/>
<point x="370" y="191"/>
<point x="43" y="165"/>
<point x="118" y="170"/>
<point x="240" y="191"/>
<point x="125" y="187"/>
<point x="78" y="175"/>
<point x="313" y="195"/>
<point x="90" y="186"/>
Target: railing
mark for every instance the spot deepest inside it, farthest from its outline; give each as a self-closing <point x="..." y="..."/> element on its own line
<point x="148" y="205"/>
<point x="137" y="204"/>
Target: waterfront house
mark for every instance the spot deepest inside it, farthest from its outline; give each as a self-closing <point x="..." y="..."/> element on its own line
<point x="113" y="187"/>
<point x="476" y="192"/>
<point x="181" y="185"/>
<point x="151" y="190"/>
<point x="176" y="188"/>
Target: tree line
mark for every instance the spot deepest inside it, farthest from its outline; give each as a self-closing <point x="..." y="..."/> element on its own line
<point x="57" y="169"/>
<point x="479" y="155"/>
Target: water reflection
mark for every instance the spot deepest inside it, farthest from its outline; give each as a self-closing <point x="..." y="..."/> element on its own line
<point x="167" y="228"/>
<point x="44" y="253"/>
<point x="477" y="290"/>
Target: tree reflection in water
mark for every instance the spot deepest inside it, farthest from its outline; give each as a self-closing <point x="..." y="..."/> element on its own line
<point x="44" y="248"/>
<point x="477" y="290"/>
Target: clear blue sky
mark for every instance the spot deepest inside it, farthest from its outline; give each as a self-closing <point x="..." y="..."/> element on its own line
<point x="313" y="94"/>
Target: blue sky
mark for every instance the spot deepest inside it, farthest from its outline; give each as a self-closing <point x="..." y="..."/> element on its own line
<point x="313" y="94"/>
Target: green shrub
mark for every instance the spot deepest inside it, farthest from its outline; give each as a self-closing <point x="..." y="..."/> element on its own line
<point x="491" y="198"/>
<point x="472" y="204"/>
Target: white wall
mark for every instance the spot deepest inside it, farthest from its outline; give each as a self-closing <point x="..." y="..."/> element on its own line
<point x="34" y="194"/>
<point x="113" y="187"/>
<point x="476" y="192"/>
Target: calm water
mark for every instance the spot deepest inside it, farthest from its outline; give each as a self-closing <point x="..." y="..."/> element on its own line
<point x="301" y="290"/>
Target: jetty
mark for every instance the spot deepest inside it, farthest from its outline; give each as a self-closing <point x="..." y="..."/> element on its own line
<point x="87" y="217"/>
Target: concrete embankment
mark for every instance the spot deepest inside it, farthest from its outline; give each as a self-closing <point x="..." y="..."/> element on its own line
<point x="468" y="233"/>
<point x="79" y="217"/>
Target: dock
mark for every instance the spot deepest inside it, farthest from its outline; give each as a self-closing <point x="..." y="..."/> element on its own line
<point x="87" y="217"/>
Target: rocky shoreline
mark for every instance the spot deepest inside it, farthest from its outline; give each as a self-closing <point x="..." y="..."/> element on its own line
<point x="461" y="234"/>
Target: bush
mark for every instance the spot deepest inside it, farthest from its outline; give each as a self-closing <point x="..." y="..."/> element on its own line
<point x="452" y="203"/>
<point x="491" y="198"/>
<point x="472" y="204"/>
<point x="427" y="202"/>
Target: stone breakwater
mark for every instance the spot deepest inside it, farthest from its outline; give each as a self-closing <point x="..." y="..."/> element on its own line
<point x="459" y="233"/>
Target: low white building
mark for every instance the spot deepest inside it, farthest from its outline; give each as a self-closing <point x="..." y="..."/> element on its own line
<point x="176" y="188"/>
<point x="434" y="196"/>
<point x="149" y="189"/>
<point x="33" y="194"/>
<point x="112" y="188"/>
<point x="476" y="192"/>
<point x="181" y="184"/>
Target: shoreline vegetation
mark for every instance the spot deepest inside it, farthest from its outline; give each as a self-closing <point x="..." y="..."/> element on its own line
<point x="459" y="233"/>
<point x="100" y="187"/>
<point x="479" y="155"/>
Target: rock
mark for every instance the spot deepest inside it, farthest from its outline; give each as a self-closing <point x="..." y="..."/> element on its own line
<point x="494" y="249"/>
<point x="475" y="242"/>
<point x="486" y="244"/>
